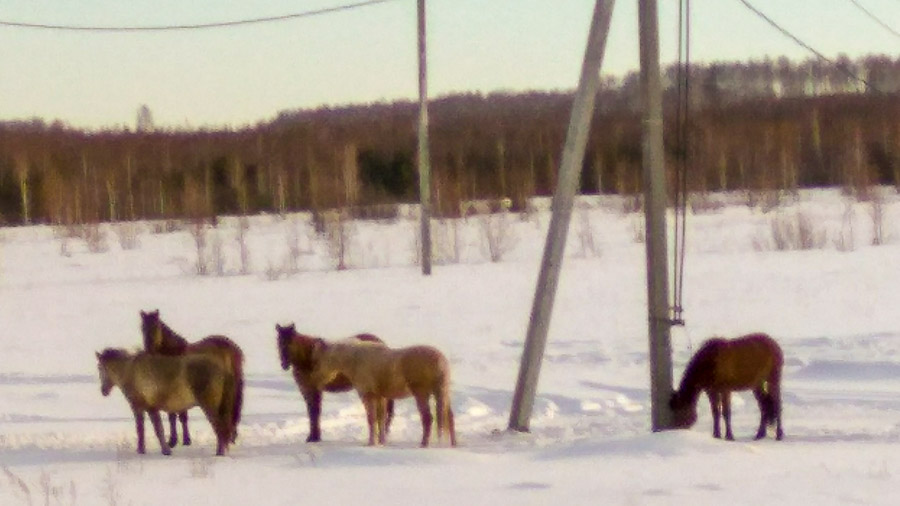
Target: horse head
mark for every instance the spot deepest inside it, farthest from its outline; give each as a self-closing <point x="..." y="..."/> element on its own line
<point x="103" y="359"/>
<point x="684" y="410"/>
<point x="151" y="328"/>
<point x="285" y="335"/>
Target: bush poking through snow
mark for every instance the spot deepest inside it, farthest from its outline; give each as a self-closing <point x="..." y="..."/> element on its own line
<point x="877" y="214"/>
<point x="795" y="231"/>
<point x="337" y="231"/>
<point x="446" y="241"/>
<point x="127" y="233"/>
<point x="586" y="235"/>
<point x="243" y="226"/>
<point x="497" y="234"/>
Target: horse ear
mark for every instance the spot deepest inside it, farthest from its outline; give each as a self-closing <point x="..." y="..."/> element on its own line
<point x="278" y="327"/>
<point x="318" y="346"/>
<point x="98" y="354"/>
<point x="143" y="314"/>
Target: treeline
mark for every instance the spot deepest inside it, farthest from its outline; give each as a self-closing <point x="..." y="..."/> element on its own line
<point x="757" y="125"/>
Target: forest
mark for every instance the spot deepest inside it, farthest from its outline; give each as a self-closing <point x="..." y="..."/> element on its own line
<point x="759" y="125"/>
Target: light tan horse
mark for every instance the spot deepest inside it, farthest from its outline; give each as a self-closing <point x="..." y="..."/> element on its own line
<point x="295" y="351"/>
<point x="721" y="366"/>
<point x="152" y="383"/>
<point x="379" y="373"/>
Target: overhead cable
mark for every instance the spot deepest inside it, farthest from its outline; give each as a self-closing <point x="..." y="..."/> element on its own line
<point x="197" y="26"/>
<point x="804" y="45"/>
<point x="875" y="18"/>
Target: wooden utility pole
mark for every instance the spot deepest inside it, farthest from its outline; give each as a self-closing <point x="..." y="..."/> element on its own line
<point x="655" y="198"/>
<point x="563" y="199"/>
<point x="424" y="160"/>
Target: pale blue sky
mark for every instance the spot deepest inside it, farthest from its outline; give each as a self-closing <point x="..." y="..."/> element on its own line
<point x="246" y="74"/>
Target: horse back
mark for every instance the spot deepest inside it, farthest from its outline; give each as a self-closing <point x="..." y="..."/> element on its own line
<point x="423" y="365"/>
<point x="173" y="383"/>
<point x="748" y="361"/>
<point x="221" y="347"/>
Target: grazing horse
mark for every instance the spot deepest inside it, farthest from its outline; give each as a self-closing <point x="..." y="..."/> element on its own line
<point x="159" y="338"/>
<point x="152" y="383"/>
<point x="722" y="366"/>
<point x="379" y="373"/>
<point x="295" y="350"/>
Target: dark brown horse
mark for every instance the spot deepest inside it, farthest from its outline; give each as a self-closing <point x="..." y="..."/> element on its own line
<point x="721" y="366"/>
<point x="295" y="350"/>
<point x="159" y="338"/>
<point x="152" y="383"/>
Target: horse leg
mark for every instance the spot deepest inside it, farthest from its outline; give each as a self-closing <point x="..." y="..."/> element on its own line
<point x="173" y="429"/>
<point x="775" y="399"/>
<point x="714" y="407"/>
<point x="764" y="414"/>
<point x="369" y="403"/>
<point x="380" y="419"/>
<point x="160" y="432"/>
<point x="313" y="400"/>
<point x="425" y="414"/>
<point x="451" y="425"/>
<point x="440" y="412"/>
<point x="185" y="433"/>
<point x="726" y="413"/>
<point x="139" y="428"/>
<point x="220" y="427"/>
<point x="390" y="416"/>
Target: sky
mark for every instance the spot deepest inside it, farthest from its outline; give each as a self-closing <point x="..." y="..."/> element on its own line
<point x="245" y="74"/>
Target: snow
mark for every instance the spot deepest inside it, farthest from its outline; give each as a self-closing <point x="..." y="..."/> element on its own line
<point x="832" y="308"/>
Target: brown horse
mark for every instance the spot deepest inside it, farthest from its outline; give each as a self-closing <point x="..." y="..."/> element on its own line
<point x="295" y="350"/>
<point x="152" y="383"/>
<point x="722" y="366"/>
<point x="159" y="338"/>
<point x="379" y="373"/>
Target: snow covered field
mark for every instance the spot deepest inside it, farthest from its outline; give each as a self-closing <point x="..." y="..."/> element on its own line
<point x="833" y="308"/>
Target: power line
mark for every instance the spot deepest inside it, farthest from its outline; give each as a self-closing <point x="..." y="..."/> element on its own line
<point x="804" y="45"/>
<point x="875" y="18"/>
<point x="198" y="26"/>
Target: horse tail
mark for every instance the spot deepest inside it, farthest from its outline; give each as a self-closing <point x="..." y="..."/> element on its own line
<point x="227" y="406"/>
<point x="769" y="409"/>
<point x="444" y="413"/>
<point x="238" y="370"/>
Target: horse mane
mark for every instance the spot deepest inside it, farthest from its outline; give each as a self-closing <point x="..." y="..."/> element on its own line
<point x="172" y="341"/>
<point x="697" y="372"/>
<point x="114" y="354"/>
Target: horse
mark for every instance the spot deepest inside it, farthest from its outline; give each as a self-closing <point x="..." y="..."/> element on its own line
<point x="295" y="351"/>
<point x="379" y="374"/>
<point x="160" y="338"/>
<point x="722" y="366"/>
<point x="152" y="383"/>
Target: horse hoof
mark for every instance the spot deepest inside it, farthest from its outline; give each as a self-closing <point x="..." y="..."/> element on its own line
<point x="173" y="442"/>
<point x="186" y="443"/>
<point x="166" y="452"/>
<point x="312" y="439"/>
